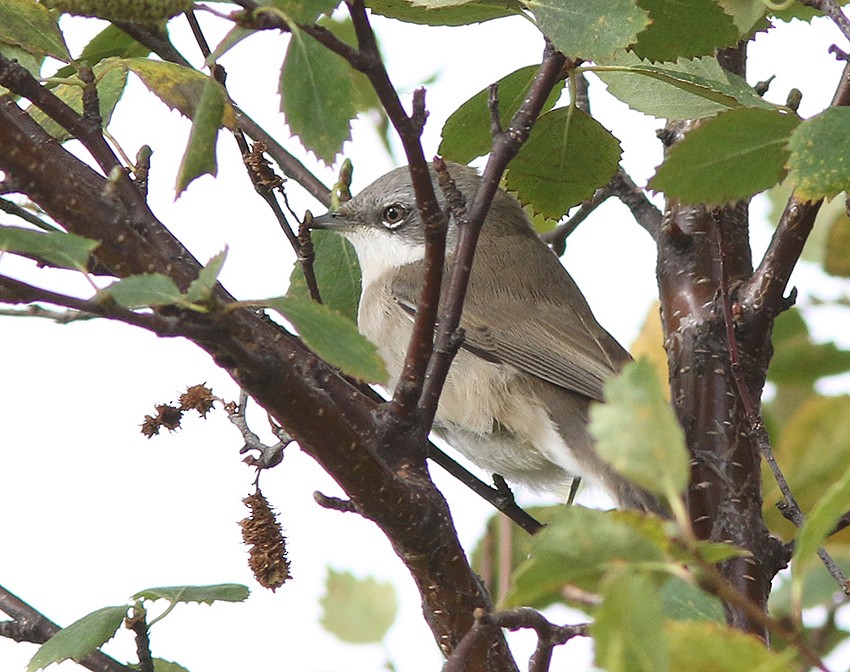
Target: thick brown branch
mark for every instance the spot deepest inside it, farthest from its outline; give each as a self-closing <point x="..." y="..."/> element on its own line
<point x="329" y="417"/>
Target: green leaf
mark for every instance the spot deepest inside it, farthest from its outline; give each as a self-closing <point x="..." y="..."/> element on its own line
<point x="466" y="133"/>
<point x="637" y="433"/>
<point x="177" y="86"/>
<point x="332" y="337"/>
<point x="358" y="611"/>
<point x="27" y="24"/>
<point x="797" y="360"/>
<point x="710" y="647"/>
<point x="141" y="291"/>
<point x="488" y="557"/>
<point x="746" y="14"/>
<point x="627" y="630"/>
<point x="837" y="260"/>
<point x="565" y="159"/>
<point x="80" y="638"/>
<point x="218" y="592"/>
<point x="110" y="80"/>
<point x="148" y="12"/>
<point x="730" y="157"/>
<point x="199" y="158"/>
<point x="683" y="601"/>
<point x="317" y="96"/>
<point x="819" y="163"/>
<point x="337" y="274"/>
<point x="684" y="29"/>
<point x="687" y="89"/>
<point x="200" y="289"/>
<point x="819" y="523"/>
<point x="161" y="665"/>
<point x="579" y="547"/>
<point x="435" y="14"/>
<point x="589" y="29"/>
<point x="56" y="248"/>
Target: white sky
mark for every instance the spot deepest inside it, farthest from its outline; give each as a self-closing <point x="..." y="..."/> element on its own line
<point x="94" y="512"/>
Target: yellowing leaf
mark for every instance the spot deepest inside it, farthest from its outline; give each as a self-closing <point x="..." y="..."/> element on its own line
<point x="178" y="87"/>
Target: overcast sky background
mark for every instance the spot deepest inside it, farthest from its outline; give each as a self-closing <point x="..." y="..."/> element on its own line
<point x="93" y="511"/>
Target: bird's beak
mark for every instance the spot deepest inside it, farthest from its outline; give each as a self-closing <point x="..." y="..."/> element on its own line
<point x="330" y="221"/>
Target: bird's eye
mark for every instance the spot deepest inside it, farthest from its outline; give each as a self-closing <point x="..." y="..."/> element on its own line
<point x="393" y="215"/>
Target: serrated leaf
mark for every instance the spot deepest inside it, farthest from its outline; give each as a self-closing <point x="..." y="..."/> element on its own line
<point x="317" y="96"/>
<point x="683" y="601"/>
<point x="589" y="29"/>
<point x="797" y="359"/>
<point x="698" y="646"/>
<point x="684" y="29"/>
<point x="177" y="86"/>
<point x="161" y="665"/>
<point x="837" y="260"/>
<point x="745" y="13"/>
<point x="732" y="156"/>
<point x="819" y="163"/>
<point x="56" y="248"/>
<point x="332" y="337"/>
<point x="200" y="289"/>
<point x="819" y="523"/>
<point x="567" y="157"/>
<point x="358" y="611"/>
<point x="27" y="24"/>
<point x="110" y="80"/>
<point x="687" y="89"/>
<point x="430" y="14"/>
<point x="637" y="433"/>
<point x="337" y="274"/>
<point x="141" y="291"/>
<point x="579" y="547"/>
<point x="466" y="133"/>
<point x="627" y="628"/>
<point x="80" y="638"/>
<point x="199" y="157"/>
<point x="219" y="592"/>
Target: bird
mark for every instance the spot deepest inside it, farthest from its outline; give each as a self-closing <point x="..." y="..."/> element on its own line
<point x="533" y="356"/>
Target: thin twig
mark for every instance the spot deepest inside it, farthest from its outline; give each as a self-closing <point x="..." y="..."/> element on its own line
<point x="833" y="10"/>
<point x="505" y="147"/>
<point x="137" y="623"/>
<point x="757" y="428"/>
<point x="269" y="456"/>
<point x="33" y="626"/>
<point x="549" y="636"/>
<point x="14" y="209"/>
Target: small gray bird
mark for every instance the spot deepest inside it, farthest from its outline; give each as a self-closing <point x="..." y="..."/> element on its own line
<point x="517" y="395"/>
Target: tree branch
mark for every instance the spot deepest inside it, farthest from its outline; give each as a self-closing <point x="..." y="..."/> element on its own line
<point x="505" y="147"/>
<point x="331" y="419"/>
<point x="33" y="626"/>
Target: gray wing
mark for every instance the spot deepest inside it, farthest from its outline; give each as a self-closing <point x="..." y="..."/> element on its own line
<point x="561" y="344"/>
<point x="549" y="342"/>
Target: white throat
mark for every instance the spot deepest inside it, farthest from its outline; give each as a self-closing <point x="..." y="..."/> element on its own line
<point x="379" y="253"/>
